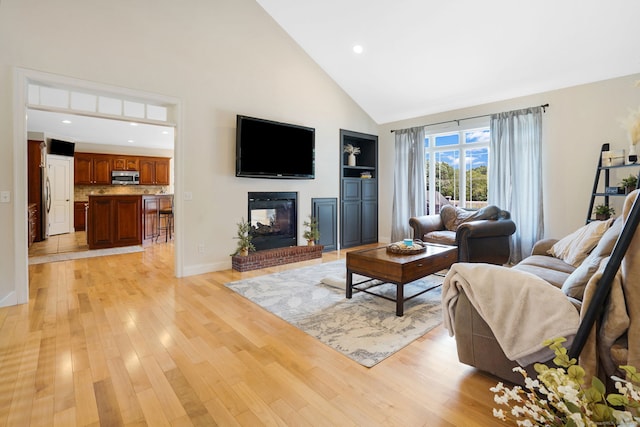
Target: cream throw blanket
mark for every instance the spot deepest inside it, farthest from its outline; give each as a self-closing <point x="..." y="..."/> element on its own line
<point x="521" y="309"/>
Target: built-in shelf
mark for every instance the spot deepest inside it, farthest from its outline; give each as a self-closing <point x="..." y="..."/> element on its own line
<point x="359" y="195"/>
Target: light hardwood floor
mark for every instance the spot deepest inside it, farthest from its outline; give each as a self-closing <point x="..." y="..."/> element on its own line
<point x="118" y="340"/>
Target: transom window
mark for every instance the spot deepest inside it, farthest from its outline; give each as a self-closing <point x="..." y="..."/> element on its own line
<point x="459" y="161"/>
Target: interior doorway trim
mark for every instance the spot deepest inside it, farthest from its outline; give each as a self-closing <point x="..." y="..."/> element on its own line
<point x="22" y="78"/>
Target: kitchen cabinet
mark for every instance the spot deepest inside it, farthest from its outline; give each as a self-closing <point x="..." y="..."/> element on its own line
<point x="79" y="216"/>
<point x="359" y="191"/>
<point x="31" y="223"/>
<point x="35" y="184"/>
<point x="125" y="163"/>
<point x="154" y="171"/>
<point x="114" y="221"/>
<point x="90" y="168"/>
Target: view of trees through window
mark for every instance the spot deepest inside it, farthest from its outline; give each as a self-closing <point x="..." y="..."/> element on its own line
<point x="462" y="186"/>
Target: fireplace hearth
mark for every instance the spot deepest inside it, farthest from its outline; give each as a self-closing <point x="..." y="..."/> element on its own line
<point x="273" y="219"/>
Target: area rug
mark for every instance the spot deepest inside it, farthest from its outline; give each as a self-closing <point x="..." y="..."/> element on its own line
<point x="364" y="328"/>
<point x="84" y="254"/>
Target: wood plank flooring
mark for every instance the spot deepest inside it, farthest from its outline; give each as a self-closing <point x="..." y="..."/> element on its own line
<point x="118" y="341"/>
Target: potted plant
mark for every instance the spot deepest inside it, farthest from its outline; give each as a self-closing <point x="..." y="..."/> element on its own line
<point x="630" y="183"/>
<point x="244" y="239"/>
<point x="311" y="233"/>
<point x="353" y="151"/>
<point x="603" y="212"/>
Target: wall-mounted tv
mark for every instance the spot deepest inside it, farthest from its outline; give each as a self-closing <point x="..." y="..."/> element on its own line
<point x="268" y="149"/>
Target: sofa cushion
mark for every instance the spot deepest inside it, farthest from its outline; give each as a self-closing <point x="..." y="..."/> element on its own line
<point x="575" y="247"/>
<point x="444" y="237"/>
<point x="576" y="282"/>
<point x="556" y="277"/>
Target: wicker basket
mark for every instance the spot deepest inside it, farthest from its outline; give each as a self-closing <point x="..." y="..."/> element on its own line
<point x="402" y="249"/>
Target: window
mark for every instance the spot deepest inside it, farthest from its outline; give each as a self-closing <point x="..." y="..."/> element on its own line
<point x="462" y="186"/>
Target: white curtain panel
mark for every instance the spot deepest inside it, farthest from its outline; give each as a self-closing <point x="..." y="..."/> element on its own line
<point x="409" y="181"/>
<point x="515" y="174"/>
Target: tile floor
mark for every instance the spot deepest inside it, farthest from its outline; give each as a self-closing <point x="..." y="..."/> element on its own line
<point x="61" y="243"/>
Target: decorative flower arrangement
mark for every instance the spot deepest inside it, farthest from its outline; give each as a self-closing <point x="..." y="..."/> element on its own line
<point x="559" y="396"/>
<point x="632" y="124"/>
<point x="348" y="148"/>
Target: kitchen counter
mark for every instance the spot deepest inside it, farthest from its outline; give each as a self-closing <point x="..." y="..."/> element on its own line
<point x="114" y="221"/>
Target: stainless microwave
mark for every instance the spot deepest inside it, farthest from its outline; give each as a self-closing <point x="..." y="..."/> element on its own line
<point x="125" y="177"/>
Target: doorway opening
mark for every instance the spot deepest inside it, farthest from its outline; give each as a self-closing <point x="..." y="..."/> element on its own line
<point x="24" y="79"/>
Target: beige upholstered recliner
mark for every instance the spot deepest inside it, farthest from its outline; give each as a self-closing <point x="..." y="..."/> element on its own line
<point x="481" y="236"/>
<point x="604" y="287"/>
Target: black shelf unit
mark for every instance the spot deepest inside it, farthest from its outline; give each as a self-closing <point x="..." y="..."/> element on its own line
<point x="604" y="172"/>
<point x="358" y="196"/>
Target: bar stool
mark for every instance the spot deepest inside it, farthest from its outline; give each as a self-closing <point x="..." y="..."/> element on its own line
<point x="165" y="221"/>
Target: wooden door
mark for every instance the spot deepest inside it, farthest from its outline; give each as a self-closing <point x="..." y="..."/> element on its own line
<point x="60" y="213"/>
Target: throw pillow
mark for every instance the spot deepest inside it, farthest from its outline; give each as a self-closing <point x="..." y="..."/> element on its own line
<point x="575" y="247"/>
<point x="577" y="281"/>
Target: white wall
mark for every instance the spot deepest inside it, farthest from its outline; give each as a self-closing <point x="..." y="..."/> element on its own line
<point x="219" y="58"/>
<point x="578" y="121"/>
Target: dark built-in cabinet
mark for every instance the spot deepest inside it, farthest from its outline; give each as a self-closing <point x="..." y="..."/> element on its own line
<point x="359" y="190"/>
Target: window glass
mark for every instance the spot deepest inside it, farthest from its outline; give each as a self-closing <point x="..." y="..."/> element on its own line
<point x="456" y="169"/>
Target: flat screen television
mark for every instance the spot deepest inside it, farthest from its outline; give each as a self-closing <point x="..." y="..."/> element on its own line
<point x="268" y="149"/>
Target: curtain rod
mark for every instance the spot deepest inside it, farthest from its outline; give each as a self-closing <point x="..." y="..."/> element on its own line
<point x="543" y="106"/>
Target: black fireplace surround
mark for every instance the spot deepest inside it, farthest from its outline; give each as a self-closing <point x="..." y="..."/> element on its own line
<point x="273" y="219"/>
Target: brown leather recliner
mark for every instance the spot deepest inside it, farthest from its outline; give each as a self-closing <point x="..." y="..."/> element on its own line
<point x="481" y="236"/>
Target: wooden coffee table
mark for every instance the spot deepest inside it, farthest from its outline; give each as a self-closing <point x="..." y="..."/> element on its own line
<point x="398" y="269"/>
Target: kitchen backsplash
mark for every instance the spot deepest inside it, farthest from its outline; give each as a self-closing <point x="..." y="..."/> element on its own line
<point x="82" y="192"/>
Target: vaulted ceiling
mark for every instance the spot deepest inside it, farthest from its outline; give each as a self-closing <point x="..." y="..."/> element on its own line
<point x="426" y="56"/>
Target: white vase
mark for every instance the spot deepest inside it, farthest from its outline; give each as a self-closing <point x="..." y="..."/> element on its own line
<point x="352" y="160"/>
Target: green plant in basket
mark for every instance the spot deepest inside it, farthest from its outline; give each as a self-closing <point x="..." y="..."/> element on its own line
<point x="603" y="211"/>
<point x="311" y="232"/>
<point x="244" y="238"/>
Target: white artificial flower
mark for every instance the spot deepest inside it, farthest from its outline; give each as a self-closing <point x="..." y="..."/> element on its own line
<point x="499" y="413"/>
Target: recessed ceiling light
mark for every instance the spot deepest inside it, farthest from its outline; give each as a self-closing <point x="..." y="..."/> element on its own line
<point x="131" y="141"/>
<point x="133" y="124"/>
<point x="66" y="122"/>
<point x="165" y="132"/>
<point x="358" y="48"/>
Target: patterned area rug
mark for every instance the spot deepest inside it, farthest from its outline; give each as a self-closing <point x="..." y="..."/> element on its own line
<point x="364" y="328"/>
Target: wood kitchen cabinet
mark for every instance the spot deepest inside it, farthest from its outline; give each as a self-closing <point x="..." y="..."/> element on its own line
<point x="114" y="221"/>
<point x="125" y="163"/>
<point x="154" y="171"/>
<point x="90" y="168"/>
<point x="79" y="217"/>
<point x="32" y="213"/>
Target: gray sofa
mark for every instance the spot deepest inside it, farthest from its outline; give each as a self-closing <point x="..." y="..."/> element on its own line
<point x="475" y="341"/>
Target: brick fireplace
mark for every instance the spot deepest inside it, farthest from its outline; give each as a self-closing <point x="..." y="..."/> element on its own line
<point x="274" y="227"/>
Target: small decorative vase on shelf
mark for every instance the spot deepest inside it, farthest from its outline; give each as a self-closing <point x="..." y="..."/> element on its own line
<point x="352" y="159"/>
